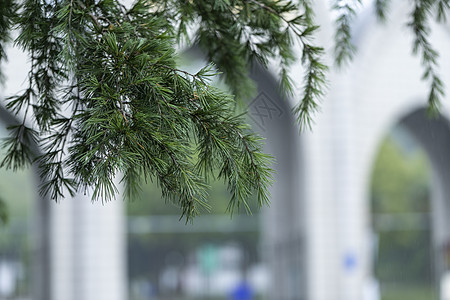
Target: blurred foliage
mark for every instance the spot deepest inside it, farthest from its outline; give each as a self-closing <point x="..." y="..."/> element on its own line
<point x="16" y="194"/>
<point x="409" y="292"/>
<point x="148" y="253"/>
<point x="150" y="201"/>
<point x="3" y="212"/>
<point x="17" y="190"/>
<point x="400" y="185"/>
<point x="400" y="179"/>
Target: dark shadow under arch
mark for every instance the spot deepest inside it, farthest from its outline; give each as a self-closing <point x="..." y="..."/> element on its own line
<point x="283" y="224"/>
<point x="433" y="135"/>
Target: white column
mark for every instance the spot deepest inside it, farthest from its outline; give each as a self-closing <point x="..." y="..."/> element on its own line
<point x="89" y="259"/>
<point x="351" y="208"/>
<point x="62" y="259"/>
<point x="321" y="226"/>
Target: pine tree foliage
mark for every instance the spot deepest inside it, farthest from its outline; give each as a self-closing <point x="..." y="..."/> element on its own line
<point x="344" y="48"/>
<point x="381" y="7"/>
<point x="105" y="96"/>
<point x="234" y="33"/>
<point x="420" y="15"/>
<point x="7" y="9"/>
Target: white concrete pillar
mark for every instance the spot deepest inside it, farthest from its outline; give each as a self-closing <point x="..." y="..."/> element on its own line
<point x="89" y="259"/>
<point x="351" y="207"/>
<point x="62" y="250"/>
<point x="320" y="205"/>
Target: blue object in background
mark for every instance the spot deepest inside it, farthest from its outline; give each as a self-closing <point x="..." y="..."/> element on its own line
<point x="242" y="292"/>
<point x="350" y="261"/>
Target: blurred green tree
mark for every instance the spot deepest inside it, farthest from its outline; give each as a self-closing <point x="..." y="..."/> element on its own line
<point x="400" y="197"/>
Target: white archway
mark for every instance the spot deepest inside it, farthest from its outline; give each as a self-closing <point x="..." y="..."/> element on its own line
<point x="380" y="87"/>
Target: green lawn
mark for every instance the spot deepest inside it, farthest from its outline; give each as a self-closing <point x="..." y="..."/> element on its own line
<point x="408" y="292"/>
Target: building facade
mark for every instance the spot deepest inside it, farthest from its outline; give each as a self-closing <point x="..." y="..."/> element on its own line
<point x="317" y="232"/>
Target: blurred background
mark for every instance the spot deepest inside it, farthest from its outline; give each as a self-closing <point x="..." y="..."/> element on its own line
<point x="360" y="207"/>
<point x="221" y="257"/>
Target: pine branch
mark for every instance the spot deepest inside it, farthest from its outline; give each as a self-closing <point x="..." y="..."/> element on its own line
<point x="105" y="94"/>
<point x="8" y="10"/>
<point x="442" y="8"/>
<point x="381" y="8"/>
<point x="315" y="81"/>
<point x="303" y="28"/>
<point x="4" y="214"/>
<point x="422" y="46"/>
<point x="344" y="49"/>
<point x="246" y="167"/>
